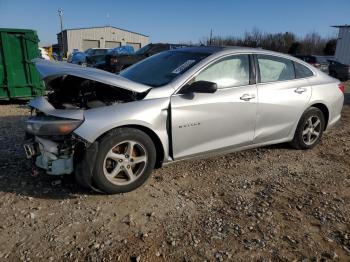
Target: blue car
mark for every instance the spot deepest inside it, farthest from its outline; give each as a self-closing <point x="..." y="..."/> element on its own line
<point x="100" y="61"/>
<point x="78" y="58"/>
<point x="88" y="56"/>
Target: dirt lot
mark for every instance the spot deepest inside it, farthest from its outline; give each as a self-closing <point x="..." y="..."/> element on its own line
<point x="268" y="204"/>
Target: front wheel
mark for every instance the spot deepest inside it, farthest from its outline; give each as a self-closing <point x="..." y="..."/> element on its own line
<point x="125" y="159"/>
<point x="309" y="130"/>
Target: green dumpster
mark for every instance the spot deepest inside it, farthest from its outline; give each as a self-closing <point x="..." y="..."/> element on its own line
<point x="18" y="76"/>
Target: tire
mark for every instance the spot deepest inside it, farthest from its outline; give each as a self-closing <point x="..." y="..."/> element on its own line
<point x="126" y="158"/>
<point x="80" y="179"/>
<point x="304" y="130"/>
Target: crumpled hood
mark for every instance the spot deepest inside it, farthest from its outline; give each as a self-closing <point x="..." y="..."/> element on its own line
<point x="49" y="69"/>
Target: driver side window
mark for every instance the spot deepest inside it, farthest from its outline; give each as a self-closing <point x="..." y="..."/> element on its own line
<point x="228" y="72"/>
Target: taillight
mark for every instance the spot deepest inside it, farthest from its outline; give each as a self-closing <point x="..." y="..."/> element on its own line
<point x="113" y="61"/>
<point x="341" y="87"/>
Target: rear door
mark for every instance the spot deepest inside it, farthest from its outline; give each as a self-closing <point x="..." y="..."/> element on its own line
<point x="203" y="122"/>
<point x="282" y="98"/>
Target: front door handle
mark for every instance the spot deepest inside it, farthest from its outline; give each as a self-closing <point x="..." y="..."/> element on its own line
<point x="300" y="90"/>
<point x="247" y="97"/>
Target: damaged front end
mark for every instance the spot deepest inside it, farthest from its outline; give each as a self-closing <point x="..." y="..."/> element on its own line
<point x="52" y="145"/>
<point x="51" y="142"/>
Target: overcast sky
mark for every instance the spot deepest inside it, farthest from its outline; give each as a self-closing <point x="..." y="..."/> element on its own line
<point x="178" y="21"/>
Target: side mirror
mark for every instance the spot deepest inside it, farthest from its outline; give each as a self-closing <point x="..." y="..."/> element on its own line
<point x="202" y="87"/>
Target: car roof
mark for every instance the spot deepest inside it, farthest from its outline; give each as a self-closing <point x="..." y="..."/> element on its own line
<point x="97" y="48"/>
<point x="224" y="50"/>
<point x="216" y="49"/>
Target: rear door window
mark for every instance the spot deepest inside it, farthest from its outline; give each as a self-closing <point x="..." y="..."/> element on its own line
<point x="273" y="68"/>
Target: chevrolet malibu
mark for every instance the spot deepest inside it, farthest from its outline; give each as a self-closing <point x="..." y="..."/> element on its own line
<point x="111" y="131"/>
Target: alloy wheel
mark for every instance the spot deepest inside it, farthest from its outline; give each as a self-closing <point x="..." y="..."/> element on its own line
<point x="312" y="130"/>
<point x="125" y="162"/>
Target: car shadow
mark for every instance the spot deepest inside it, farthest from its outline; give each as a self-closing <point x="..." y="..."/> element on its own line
<point x="286" y="146"/>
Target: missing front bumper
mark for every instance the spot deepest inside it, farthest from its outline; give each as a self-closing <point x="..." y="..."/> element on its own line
<point x="46" y="155"/>
<point x="60" y="166"/>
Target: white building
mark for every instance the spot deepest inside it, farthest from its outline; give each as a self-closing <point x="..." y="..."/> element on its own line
<point x="342" y="52"/>
<point x="99" y="37"/>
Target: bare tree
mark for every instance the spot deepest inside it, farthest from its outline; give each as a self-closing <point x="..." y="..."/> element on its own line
<point x="311" y="43"/>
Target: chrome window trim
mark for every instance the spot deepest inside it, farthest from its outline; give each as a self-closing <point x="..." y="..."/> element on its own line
<point x="258" y="83"/>
<point x="293" y="59"/>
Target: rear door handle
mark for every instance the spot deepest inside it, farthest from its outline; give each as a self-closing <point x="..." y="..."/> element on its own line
<point x="247" y="97"/>
<point x="300" y="90"/>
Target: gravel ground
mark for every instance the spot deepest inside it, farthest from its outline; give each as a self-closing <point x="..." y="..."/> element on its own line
<point x="267" y="204"/>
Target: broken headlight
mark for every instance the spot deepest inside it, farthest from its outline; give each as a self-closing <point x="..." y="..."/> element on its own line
<point x="51" y="126"/>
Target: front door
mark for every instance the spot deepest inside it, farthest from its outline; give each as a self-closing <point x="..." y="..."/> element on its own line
<point x="204" y="122"/>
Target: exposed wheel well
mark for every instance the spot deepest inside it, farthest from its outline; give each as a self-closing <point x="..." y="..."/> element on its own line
<point x="325" y="112"/>
<point x="157" y="143"/>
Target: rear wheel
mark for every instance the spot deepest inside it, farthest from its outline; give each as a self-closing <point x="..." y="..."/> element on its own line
<point x="309" y="130"/>
<point x="125" y="159"/>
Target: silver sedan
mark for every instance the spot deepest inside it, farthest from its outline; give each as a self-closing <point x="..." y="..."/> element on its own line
<point x="111" y="131"/>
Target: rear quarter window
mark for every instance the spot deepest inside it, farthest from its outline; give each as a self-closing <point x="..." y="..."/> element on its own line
<point x="302" y="71"/>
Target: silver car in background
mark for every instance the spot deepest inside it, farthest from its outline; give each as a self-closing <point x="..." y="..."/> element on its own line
<point x="111" y="131"/>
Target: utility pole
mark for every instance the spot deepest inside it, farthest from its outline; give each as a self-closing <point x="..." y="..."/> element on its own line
<point x="60" y="13"/>
<point x="211" y="36"/>
<point x="107" y="16"/>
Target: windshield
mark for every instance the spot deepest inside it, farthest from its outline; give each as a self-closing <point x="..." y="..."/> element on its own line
<point x="161" y="69"/>
<point x="100" y="51"/>
<point x="88" y="51"/>
<point x="122" y="50"/>
<point x="143" y="50"/>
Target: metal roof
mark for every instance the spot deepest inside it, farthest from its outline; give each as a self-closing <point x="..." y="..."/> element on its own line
<point x="16" y="30"/>
<point x="340" y="26"/>
<point x="69" y="29"/>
